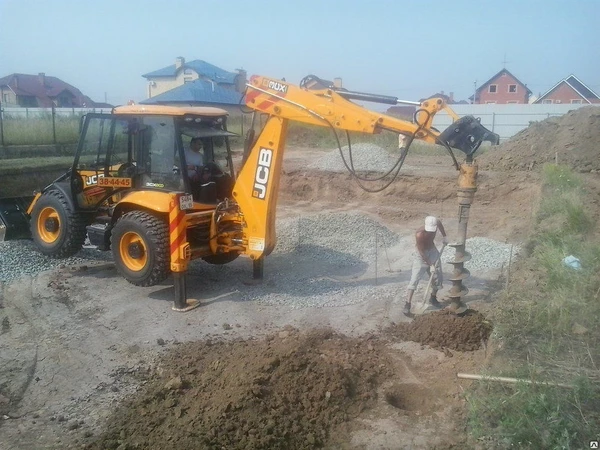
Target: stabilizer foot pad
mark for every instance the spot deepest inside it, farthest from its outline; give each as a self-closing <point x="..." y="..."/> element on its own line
<point x="191" y="304"/>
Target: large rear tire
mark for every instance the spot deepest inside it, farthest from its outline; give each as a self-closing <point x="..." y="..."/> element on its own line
<point x="56" y="229"/>
<point x="140" y="247"/>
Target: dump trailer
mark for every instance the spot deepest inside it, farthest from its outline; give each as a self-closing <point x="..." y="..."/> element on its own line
<point x="131" y="191"/>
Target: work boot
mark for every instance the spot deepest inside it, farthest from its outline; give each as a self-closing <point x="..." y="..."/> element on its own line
<point x="406" y="310"/>
<point x="433" y="301"/>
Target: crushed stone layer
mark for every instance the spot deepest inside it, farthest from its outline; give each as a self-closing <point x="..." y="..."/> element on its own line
<point x="364" y="157"/>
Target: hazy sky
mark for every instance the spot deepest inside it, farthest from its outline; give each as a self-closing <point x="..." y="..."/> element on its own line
<point x="405" y="48"/>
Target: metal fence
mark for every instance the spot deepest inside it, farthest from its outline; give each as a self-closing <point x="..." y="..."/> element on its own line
<point x="50" y="115"/>
<point x="505" y="120"/>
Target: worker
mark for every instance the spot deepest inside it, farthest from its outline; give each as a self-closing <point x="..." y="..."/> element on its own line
<point x="194" y="159"/>
<point x="425" y="256"/>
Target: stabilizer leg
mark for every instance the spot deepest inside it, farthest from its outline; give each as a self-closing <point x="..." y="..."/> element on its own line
<point x="181" y="303"/>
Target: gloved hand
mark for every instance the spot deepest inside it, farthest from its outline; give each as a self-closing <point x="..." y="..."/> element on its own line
<point x="445" y="240"/>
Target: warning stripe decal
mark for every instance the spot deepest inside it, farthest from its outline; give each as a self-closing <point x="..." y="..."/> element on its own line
<point x="264" y="104"/>
<point x="176" y="230"/>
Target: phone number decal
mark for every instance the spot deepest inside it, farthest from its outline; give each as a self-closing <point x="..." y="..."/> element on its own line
<point x="115" y="182"/>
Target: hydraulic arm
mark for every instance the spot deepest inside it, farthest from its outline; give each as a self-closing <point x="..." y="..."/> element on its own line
<point x="257" y="186"/>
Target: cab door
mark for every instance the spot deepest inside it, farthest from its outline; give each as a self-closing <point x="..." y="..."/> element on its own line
<point x="104" y="160"/>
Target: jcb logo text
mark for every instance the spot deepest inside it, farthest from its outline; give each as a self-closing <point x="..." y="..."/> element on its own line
<point x="90" y="181"/>
<point x="263" y="171"/>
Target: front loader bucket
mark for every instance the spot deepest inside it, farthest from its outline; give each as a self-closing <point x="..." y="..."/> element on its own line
<point x="14" y="221"/>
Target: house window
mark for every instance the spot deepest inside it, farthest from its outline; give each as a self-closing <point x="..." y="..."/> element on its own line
<point x="547" y="101"/>
<point x="5" y="98"/>
<point x="512" y="102"/>
<point x="493" y="88"/>
<point x="187" y="80"/>
<point x="576" y="101"/>
<point x="512" y="88"/>
<point x="490" y="103"/>
<point x="188" y="72"/>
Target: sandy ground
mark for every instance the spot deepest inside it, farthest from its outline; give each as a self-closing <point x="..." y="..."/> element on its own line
<point x="78" y="337"/>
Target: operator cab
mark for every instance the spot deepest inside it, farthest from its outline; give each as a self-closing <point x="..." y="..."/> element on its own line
<point x="213" y="179"/>
<point x="142" y="148"/>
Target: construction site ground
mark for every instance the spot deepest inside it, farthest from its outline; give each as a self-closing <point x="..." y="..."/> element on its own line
<point x="90" y="361"/>
<point x="80" y="342"/>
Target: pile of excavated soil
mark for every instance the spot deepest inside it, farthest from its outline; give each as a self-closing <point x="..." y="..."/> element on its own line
<point x="444" y="329"/>
<point x="572" y="139"/>
<point x="288" y="391"/>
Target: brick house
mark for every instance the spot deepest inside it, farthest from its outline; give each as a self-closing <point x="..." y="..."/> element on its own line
<point x="503" y="88"/>
<point x="182" y="72"/>
<point x="570" y="90"/>
<point x="41" y="91"/>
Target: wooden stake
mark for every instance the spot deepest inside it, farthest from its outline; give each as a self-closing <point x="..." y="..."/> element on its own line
<point x="508" y="268"/>
<point x="469" y="376"/>
<point x="376" y="251"/>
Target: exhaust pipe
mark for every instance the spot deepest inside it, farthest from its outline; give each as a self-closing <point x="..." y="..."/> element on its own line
<point x="14" y="221"/>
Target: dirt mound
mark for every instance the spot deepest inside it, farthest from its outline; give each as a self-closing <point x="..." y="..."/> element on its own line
<point x="445" y="329"/>
<point x="572" y="139"/>
<point x="285" y="392"/>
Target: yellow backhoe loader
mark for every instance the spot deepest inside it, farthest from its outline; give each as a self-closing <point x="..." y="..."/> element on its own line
<point x="130" y="190"/>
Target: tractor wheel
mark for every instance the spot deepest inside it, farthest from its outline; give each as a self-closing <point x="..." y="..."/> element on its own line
<point x="57" y="230"/>
<point x="140" y="247"/>
<point x="224" y="258"/>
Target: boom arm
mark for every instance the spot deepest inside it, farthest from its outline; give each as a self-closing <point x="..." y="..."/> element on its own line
<point x="257" y="185"/>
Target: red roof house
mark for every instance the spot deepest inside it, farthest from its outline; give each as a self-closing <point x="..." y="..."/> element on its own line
<point x="570" y="90"/>
<point x="41" y="91"/>
<point x="502" y="88"/>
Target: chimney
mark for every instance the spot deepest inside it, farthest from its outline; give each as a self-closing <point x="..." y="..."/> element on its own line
<point x="42" y="78"/>
<point x="451" y="97"/>
<point x="240" y="80"/>
<point x="337" y="82"/>
<point x="179" y="61"/>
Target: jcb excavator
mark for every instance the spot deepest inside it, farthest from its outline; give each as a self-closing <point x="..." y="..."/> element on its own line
<point x="130" y="189"/>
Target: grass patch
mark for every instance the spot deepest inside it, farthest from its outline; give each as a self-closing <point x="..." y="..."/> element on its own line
<point x="534" y="416"/>
<point x="27" y="165"/>
<point x="39" y="130"/>
<point x="546" y="322"/>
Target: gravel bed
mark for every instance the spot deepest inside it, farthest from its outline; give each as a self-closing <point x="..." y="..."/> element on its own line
<point x="365" y="157"/>
<point x="351" y="236"/>
<point x="322" y="260"/>
<point x="20" y="257"/>
<point x="325" y="260"/>
<point x="486" y="254"/>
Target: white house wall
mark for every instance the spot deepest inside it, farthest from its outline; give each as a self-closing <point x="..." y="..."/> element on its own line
<point x="158" y="86"/>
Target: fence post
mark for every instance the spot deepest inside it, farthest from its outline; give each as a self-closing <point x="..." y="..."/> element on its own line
<point x="1" y="125"/>
<point x="493" y="120"/>
<point x="53" y="125"/>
